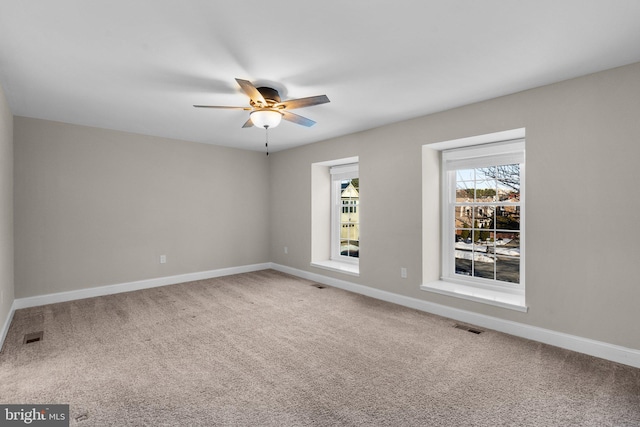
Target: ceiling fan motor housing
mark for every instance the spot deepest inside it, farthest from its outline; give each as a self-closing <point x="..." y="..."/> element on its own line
<point x="269" y="94"/>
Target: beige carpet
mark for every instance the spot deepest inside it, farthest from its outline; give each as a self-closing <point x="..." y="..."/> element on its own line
<point x="268" y="349"/>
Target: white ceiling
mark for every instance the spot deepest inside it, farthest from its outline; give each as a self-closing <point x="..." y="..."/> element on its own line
<point x="139" y="66"/>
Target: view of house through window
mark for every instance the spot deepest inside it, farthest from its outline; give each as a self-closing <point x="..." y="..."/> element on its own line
<point x="346" y="213"/>
<point x="487" y="222"/>
<point x="349" y="218"/>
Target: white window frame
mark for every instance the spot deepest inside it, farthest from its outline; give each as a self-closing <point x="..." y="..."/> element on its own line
<point x="321" y="218"/>
<point x="493" y="154"/>
<point x="340" y="173"/>
<point x="435" y="233"/>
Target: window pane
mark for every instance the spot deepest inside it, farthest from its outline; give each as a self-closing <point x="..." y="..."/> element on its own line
<point x="463" y="266"/>
<point x="350" y="239"/>
<point x="508" y="257"/>
<point x="508" y="181"/>
<point x="483" y="263"/>
<point x="356" y="183"/>
<point x="463" y="239"/>
<point x="465" y="175"/>
<point x="463" y="235"/>
<point x="483" y="218"/>
<point x="349" y="249"/>
<point x="508" y="194"/>
<point x="463" y="216"/>
<point x="463" y="255"/>
<point x="485" y="189"/>
<point x="505" y="175"/>
<point x="465" y="185"/>
<point x="508" y="269"/>
<point x="508" y="244"/>
<point x="508" y="218"/>
<point x="464" y="191"/>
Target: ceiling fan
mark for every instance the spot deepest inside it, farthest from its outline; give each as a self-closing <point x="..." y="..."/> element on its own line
<point x="267" y="109"/>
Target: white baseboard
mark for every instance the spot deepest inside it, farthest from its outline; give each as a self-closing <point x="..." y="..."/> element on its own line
<point x="600" y="349"/>
<point x="133" y="286"/>
<point x="7" y="323"/>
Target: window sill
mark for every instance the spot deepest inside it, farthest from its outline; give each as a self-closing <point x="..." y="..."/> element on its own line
<point x="340" y="267"/>
<point x="512" y="301"/>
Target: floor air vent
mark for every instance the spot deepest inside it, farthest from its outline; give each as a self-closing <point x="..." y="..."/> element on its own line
<point x="468" y="329"/>
<point x="33" y="337"/>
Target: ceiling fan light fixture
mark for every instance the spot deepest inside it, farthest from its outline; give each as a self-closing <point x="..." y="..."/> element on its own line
<point x="266" y="118"/>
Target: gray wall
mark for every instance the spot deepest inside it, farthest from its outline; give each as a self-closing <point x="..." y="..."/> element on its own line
<point x="6" y="209"/>
<point x="97" y="207"/>
<point x="582" y="176"/>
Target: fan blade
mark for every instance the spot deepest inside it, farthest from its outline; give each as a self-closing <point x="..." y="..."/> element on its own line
<point x="248" y="123"/>
<point x="222" y="106"/>
<point x="303" y="102"/>
<point x="297" y="119"/>
<point x="251" y="90"/>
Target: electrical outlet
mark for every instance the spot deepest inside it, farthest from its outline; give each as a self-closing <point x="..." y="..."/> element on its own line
<point x="163" y="259"/>
<point x="403" y="272"/>
<point x="286" y="250"/>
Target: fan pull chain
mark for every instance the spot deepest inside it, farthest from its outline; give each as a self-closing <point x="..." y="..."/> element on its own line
<point x="266" y="144"/>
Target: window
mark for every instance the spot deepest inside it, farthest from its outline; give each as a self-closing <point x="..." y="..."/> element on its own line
<point x="473" y="218"/>
<point x="483" y="225"/>
<point x="335" y="215"/>
<point x="345" y="215"/>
